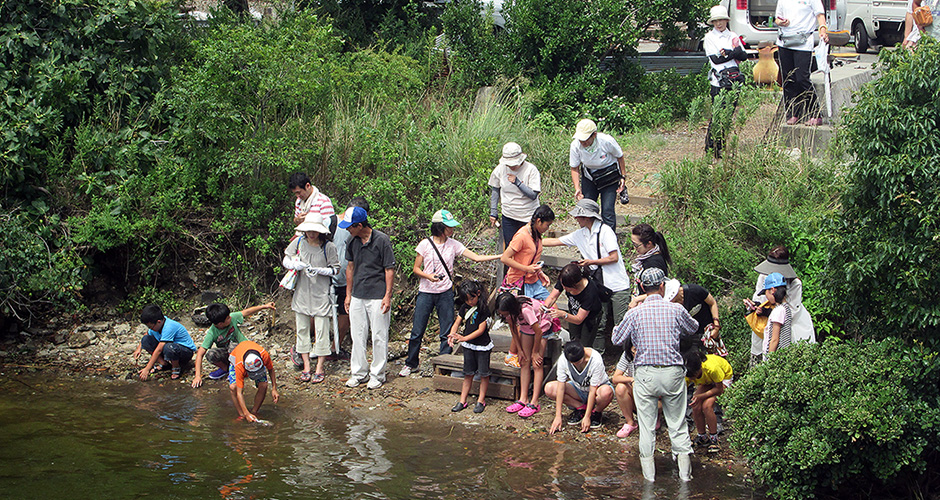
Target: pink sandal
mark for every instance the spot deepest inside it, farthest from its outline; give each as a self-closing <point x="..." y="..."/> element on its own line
<point x="515" y="407"/>
<point x="626" y="430"/>
<point x="529" y="410"/>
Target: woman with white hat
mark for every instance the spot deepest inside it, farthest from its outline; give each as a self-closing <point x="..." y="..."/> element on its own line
<point x="797" y="20"/>
<point x="314" y="257"/>
<point x="517" y="184"/>
<point x="434" y="266"/>
<point x="597" y="169"/>
<point x="724" y="49"/>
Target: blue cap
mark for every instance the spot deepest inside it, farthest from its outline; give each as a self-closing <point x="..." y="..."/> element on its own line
<point x="774" y="280"/>
<point x="353" y="215"/>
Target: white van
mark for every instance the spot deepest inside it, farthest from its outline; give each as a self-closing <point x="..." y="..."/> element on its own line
<point x="876" y="22"/>
<point x="753" y="19"/>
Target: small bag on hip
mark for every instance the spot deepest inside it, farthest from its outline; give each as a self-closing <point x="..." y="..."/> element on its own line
<point x="922" y="16"/>
<point x="603" y="177"/>
<point x="729" y="76"/>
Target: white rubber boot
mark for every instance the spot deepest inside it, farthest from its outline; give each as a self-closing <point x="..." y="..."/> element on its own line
<point x="649" y="468"/>
<point x="685" y="467"/>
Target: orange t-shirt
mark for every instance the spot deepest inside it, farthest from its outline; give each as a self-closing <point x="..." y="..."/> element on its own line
<point x="527" y="253"/>
<point x="237" y="359"/>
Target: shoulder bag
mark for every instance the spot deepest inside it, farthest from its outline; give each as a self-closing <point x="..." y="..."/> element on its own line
<point x="597" y="275"/>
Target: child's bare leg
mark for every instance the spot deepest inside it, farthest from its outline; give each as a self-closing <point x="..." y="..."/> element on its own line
<point x="259" y="397"/>
<point x="513" y="346"/>
<point x="465" y="389"/>
<point x="625" y="401"/>
<point x="711" y="421"/>
<point x="538" y="371"/>
<point x="525" y="371"/>
<point x="484" y="385"/>
<point x="604" y="397"/>
<point x="571" y="398"/>
<point x="697" y="411"/>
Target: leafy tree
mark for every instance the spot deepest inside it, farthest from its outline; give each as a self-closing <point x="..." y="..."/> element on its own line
<point x="886" y="250"/>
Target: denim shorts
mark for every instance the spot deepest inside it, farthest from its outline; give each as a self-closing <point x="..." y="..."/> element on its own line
<point x="583" y="395"/>
<point x="535" y="290"/>
<point x="476" y="363"/>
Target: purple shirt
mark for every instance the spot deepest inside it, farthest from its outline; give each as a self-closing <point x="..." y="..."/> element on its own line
<point x="655" y="327"/>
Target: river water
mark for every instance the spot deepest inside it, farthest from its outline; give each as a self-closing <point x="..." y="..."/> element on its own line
<point x="92" y="438"/>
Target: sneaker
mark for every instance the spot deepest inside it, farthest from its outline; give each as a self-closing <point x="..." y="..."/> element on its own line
<point x="219" y="373"/>
<point x="624" y="197"/>
<point x="596" y="419"/>
<point x="405" y="371"/>
<point x="374" y="383"/>
<point x="353" y="382"/>
<point x="576" y="417"/>
<point x="713" y="445"/>
<point x="479" y="407"/>
<point x="529" y="410"/>
<point x="513" y="360"/>
<point x="626" y="430"/>
<point x="296" y="359"/>
<point x="701" y="441"/>
<point x="459" y="407"/>
<point x="515" y="407"/>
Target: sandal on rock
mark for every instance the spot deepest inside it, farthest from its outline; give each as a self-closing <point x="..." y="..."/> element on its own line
<point x="305" y="376"/>
<point x="161" y="368"/>
<point x="318" y="377"/>
<point x="175" y="373"/>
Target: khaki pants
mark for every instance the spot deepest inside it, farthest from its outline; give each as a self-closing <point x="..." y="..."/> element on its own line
<point x="666" y="384"/>
<point x="321" y="334"/>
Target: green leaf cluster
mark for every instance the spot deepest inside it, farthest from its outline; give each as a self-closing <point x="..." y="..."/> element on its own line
<point x="839" y="415"/>
<point x="886" y="248"/>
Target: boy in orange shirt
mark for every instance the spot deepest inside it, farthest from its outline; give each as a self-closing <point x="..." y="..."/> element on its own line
<point x="250" y="359"/>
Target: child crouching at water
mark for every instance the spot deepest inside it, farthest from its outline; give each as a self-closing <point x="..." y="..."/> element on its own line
<point x="475" y="341"/>
<point x="583" y="385"/>
<point x="250" y="360"/>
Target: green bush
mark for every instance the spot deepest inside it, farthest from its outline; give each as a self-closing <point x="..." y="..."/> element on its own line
<point x="38" y="268"/>
<point x="886" y="250"/>
<point x="839" y="416"/>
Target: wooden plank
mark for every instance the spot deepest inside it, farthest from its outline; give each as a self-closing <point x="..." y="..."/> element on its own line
<point x="447" y="383"/>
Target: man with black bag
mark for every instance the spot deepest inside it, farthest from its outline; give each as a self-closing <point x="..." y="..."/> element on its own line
<point x="601" y="255"/>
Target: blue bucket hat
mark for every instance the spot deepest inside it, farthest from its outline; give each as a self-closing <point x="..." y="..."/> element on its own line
<point x="774" y="280"/>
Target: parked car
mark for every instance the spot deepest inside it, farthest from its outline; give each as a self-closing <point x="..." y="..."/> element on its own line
<point x="876" y="22"/>
<point x="753" y="19"/>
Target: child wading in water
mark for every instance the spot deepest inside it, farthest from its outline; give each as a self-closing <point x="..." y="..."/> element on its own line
<point x="530" y="325"/>
<point x="777" y="333"/>
<point x="475" y="342"/>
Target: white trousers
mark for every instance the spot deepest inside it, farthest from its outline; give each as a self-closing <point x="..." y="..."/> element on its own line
<point x="366" y="314"/>
<point x="666" y="384"/>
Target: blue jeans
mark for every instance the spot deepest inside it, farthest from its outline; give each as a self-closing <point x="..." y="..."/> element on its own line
<point x="608" y="201"/>
<point x="424" y="304"/>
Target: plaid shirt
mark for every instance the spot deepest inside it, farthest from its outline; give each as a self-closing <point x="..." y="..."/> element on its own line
<point x="655" y="327"/>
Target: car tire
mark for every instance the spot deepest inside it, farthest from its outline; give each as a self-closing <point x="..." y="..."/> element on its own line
<point x="861" y="38"/>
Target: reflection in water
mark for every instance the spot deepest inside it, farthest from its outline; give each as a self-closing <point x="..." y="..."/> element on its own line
<point x="127" y="440"/>
<point x="371" y="464"/>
